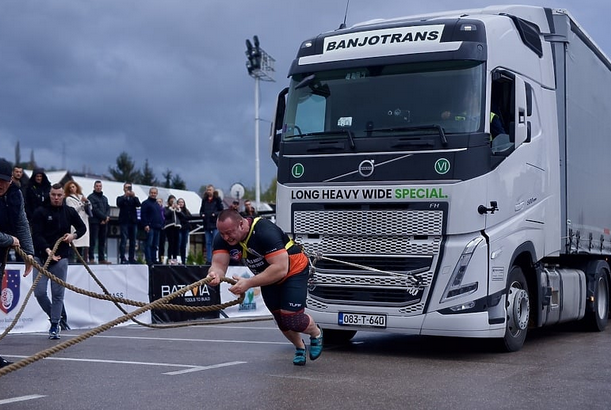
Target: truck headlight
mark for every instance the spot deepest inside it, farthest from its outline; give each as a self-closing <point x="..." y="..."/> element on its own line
<point x="455" y="287"/>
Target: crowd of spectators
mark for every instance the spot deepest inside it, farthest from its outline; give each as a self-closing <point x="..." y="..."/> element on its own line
<point x="166" y="226"/>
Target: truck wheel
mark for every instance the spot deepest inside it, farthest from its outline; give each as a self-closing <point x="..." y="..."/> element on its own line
<point x="597" y="314"/>
<point x="517" y="307"/>
<point x="337" y="336"/>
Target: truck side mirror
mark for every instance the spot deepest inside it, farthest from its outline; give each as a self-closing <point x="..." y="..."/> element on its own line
<point x="520" y="111"/>
<point x="276" y="128"/>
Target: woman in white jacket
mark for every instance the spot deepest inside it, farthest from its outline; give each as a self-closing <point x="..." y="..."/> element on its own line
<point x="75" y="199"/>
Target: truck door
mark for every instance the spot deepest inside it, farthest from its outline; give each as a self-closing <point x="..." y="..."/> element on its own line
<point x="510" y="105"/>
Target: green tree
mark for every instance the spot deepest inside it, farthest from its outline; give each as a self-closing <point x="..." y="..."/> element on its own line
<point x="249" y="193"/>
<point x="32" y="164"/>
<point x="147" y="175"/>
<point x="270" y="193"/>
<point x="125" y="171"/>
<point x="178" y="183"/>
<point x="17" y="154"/>
<point x="167" y="178"/>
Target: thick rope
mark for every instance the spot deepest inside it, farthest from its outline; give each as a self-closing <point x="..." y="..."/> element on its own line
<point x="109" y="297"/>
<point x="143" y="307"/>
<point x="139" y="322"/>
<point x="158" y="304"/>
<point x="411" y="276"/>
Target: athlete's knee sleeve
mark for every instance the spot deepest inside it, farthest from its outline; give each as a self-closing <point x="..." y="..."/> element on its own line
<point x="295" y="321"/>
<point x="278" y="318"/>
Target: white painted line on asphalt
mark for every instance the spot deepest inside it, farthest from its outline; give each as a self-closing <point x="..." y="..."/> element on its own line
<point x="173" y="339"/>
<point x="200" y="368"/>
<point x="189" y="367"/>
<point x="239" y="327"/>
<point x="22" y="398"/>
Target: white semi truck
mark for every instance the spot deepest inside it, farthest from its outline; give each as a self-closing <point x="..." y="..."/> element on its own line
<point x="449" y="174"/>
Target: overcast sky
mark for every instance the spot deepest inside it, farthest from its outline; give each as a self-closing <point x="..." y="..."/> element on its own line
<point x="82" y="81"/>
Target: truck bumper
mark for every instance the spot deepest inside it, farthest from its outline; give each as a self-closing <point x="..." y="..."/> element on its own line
<point x="433" y="324"/>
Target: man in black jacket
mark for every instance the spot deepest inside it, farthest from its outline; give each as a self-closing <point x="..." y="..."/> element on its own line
<point x="36" y="193"/>
<point x="14" y="227"/>
<point x="50" y="224"/>
<point x="152" y="222"/>
<point x="98" y="224"/>
<point x="209" y="210"/>
<point x="128" y="205"/>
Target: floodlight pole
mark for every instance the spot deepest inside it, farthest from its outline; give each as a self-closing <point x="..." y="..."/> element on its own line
<point x="257" y="165"/>
<point x="260" y="66"/>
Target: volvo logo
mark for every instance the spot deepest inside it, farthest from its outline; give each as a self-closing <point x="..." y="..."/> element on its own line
<point x="366" y="168"/>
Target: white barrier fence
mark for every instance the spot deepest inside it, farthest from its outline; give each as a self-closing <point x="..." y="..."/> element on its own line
<point x="84" y="312"/>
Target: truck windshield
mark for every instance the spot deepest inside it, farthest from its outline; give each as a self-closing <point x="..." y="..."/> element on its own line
<point x="383" y="100"/>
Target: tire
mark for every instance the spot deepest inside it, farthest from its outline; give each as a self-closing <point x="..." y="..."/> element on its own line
<point x="517" y="307"/>
<point x="337" y="336"/>
<point x="597" y="313"/>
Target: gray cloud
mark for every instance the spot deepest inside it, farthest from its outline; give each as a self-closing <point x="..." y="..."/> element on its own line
<point x="166" y="80"/>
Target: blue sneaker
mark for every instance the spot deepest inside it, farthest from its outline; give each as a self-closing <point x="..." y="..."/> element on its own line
<point x="316" y="345"/>
<point x="54" y="331"/>
<point x="300" y="357"/>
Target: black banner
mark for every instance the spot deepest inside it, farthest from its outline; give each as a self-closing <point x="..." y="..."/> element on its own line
<point x="166" y="279"/>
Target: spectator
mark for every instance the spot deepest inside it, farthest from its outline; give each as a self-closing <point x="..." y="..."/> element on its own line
<point x="249" y="210"/>
<point x="172" y="228"/>
<point x="14" y="227"/>
<point x="18" y="178"/>
<point x="75" y="199"/>
<point x="37" y="192"/>
<point x="183" y="236"/>
<point x="128" y="205"/>
<point x="235" y="205"/>
<point x="152" y="222"/>
<point x="209" y="210"/>
<point x="49" y="224"/>
<point x="98" y="223"/>
<point x="161" y="251"/>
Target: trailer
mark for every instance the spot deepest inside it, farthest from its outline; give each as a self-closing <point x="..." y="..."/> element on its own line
<point x="447" y="174"/>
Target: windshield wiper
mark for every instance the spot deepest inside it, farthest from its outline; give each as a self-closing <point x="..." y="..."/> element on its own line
<point x="432" y="127"/>
<point x="350" y="138"/>
<point x="349" y="134"/>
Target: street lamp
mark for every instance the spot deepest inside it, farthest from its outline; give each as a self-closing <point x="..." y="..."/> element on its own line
<point x="260" y="66"/>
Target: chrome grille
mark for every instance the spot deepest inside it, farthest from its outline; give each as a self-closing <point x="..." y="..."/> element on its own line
<point x="386" y="223"/>
<point x="371" y="280"/>
<point x="372" y="245"/>
<point x="393" y="241"/>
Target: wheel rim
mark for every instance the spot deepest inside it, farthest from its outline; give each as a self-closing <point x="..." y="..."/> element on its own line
<point x="601" y="298"/>
<point x="518" y="309"/>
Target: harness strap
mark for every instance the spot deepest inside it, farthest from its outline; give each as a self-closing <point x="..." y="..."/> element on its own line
<point x="244" y="243"/>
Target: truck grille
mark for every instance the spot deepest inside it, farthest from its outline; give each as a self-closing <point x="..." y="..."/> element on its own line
<point x="373" y="254"/>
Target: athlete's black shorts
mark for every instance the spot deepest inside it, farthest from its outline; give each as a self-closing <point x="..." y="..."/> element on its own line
<point x="288" y="295"/>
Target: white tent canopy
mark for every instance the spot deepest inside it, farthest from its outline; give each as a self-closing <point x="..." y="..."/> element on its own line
<point x="114" y="189"/>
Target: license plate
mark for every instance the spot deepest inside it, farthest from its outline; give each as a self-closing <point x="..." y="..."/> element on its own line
<point x="360" y="319"/>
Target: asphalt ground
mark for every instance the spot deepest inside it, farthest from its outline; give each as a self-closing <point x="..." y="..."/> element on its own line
<point x="248" y="365"/>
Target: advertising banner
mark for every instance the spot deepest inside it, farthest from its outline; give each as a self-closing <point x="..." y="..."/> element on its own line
<point x="84" y="312"/>
<point x="167" y="279"/>
<point x="133" y="282"/>
<point x="253" y="301"/>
